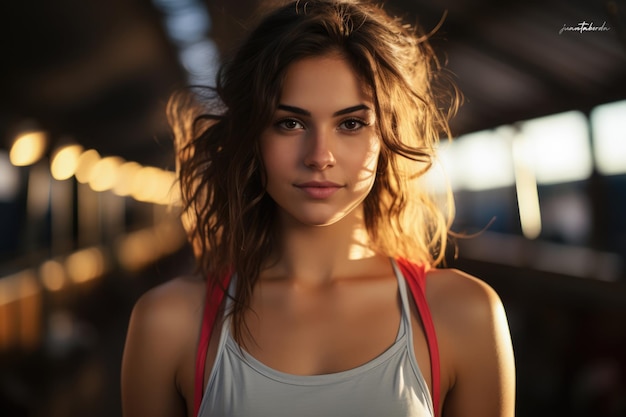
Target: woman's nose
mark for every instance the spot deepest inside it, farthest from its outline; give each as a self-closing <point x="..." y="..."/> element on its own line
<point x="319" y="153"/>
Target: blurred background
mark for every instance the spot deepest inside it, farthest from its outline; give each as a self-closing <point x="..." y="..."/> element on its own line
<point x="537" y="163"/>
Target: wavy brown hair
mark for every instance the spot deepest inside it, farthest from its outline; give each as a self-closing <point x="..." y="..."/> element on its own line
<point x="229" y="215"/>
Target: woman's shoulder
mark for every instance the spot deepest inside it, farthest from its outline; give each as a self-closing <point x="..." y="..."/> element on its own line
<point x="468" y="314"/>
<point x="160" y="348"/>
<point x="170" y="312"/>
<point x="474" y="342"/>
<point x="170" y="305"/>
<point x="451" y="287"/>
<point x="460" y="300"/>
<point x="464" y="306"/>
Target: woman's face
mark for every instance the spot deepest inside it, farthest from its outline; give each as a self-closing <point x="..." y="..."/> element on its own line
<point x="321" y="148"/>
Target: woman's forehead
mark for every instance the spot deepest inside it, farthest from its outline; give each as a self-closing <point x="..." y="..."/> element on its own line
<point x="323" y="81"/>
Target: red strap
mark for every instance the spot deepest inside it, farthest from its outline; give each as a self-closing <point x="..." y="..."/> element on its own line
<point x="416" y="278"/>
<point x="415" y="275"/>
<point x="211" y="307"/>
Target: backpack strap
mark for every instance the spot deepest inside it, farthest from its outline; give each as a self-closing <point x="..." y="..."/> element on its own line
<point x="415" y="276"/>
<point x="213" y="301"/>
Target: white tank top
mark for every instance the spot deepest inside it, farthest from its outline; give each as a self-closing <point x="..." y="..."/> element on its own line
<point x="390" y="385"/>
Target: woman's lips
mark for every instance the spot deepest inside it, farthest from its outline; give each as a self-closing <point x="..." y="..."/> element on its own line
<point x="319" y="189"/>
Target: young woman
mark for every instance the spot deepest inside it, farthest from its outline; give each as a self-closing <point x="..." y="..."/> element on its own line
<point x="318" y="248"/>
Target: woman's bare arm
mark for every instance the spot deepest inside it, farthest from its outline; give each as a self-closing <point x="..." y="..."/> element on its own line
<point x="477" y="334"/>
<point x="160" y="342"/>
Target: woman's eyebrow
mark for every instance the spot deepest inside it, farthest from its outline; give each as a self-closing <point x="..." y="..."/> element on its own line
<point x="347" y="110"/>
<point x="293" y="109"/>
<point x="352" y="109"/>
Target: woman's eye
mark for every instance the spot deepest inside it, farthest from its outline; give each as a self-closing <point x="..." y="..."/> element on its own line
<point x="352" y="124"/>
<point x="290" y="124"/>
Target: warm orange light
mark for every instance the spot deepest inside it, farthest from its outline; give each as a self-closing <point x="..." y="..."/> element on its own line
<point x="65" y="161"/>
<point x="20" y="310"/>
<point x="145" y="184"/>
<point x="138" y="249"/>
<point x="86" y="162"/>
<point x="125" y="178"/>
<point x="52" y="275"/>
<point x="28" y="148"/>
<point x="154" y="185"/>
<point x="85" y="265"/>
<point x="168" y="191"/>
<point x="104" y="173"/>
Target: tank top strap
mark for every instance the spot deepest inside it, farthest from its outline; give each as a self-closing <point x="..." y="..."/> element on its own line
<point x="213" y="301"/>
<point x="415" y="276"/>
<point x="405" y="322"/>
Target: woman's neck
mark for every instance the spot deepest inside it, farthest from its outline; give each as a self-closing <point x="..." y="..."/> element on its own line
<point x="315" y="255"/>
